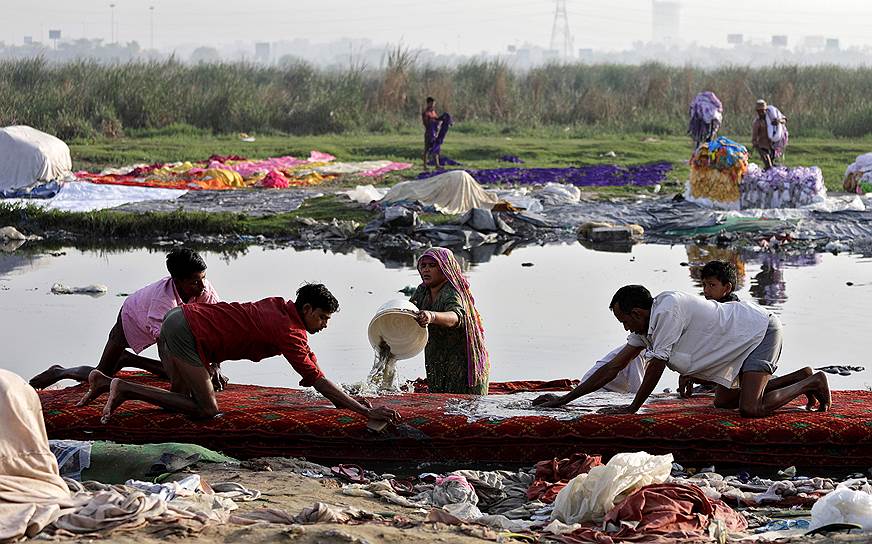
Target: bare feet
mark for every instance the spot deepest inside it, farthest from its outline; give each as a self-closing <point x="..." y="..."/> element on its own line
<point x="98" y="383"/>
<point x="822" y="393"/>
<point x="116" y="397"/>
<point x="47" y="378"/>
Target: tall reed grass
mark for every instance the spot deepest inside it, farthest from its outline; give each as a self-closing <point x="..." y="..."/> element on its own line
<point x="84" y="98"/>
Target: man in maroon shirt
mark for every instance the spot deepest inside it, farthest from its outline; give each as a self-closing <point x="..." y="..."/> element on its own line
<point x="196" y="338"/>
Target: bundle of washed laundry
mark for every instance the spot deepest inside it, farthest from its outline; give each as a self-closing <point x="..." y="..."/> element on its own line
<point x="716" y="170"/>
<point x="706" y="114"/>
<point x="782" y="187"/>
<point x="858" y="176"/>
<point x="776" y="127"/>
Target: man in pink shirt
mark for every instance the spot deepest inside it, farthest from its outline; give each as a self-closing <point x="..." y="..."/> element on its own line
<point x="139" y="321"/>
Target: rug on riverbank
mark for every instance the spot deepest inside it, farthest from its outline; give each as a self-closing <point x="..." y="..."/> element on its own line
<point x="235" y="172"/>
<point x="260" y="421"/>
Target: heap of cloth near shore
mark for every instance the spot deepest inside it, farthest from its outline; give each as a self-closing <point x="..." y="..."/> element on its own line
<point x="235" y="172"/>
<point x="721" y="176"/>
<point x="858" y="175"/>
<point x="716" y="170"/>
<point x="267" y="421"/>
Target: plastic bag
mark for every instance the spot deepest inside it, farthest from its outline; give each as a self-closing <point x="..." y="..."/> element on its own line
<point x="588" y="497"/>
<point x="843" y="506"/>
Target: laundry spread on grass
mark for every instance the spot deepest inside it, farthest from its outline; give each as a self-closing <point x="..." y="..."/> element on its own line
<point x="235" y="172"/>
<point x="600" y="175"/>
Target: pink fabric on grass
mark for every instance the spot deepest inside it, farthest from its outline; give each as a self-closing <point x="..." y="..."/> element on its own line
<point x="385" y="169"/>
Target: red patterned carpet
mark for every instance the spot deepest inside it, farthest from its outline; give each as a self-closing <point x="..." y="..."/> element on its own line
<point x="260" y="421"/>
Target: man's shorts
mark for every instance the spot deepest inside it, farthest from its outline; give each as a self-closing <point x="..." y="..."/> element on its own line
<point x="177" y="338"/>
<point x="765" y="357"/>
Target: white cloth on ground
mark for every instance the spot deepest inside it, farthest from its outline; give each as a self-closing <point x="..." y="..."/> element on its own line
<point x="588" y="497"/>
<point x="702" y="338"/>
<point x="28" y="155"/>
<point x="843" y="505"/>
<point x="454" y="192"/>
<point x="82" y="196"/>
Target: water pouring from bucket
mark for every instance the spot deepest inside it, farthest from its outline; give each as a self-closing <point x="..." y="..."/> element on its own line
<point x="395" y="335"/>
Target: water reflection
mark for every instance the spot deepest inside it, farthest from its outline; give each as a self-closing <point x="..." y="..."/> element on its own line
<point x="546" y="321"/>
<point x="767" y="287"/>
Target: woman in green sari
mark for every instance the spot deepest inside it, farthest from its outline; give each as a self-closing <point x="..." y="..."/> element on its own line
<point x="456" y="358"/>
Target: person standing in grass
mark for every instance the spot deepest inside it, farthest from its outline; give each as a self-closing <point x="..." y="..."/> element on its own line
<point x="435" y="129"/>
<point x="769" y="133"/>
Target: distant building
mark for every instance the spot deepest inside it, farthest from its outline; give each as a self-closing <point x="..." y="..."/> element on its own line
<point x="735" y="39"/>
<point x="261" y="52"/>
<point x="665" y="21"/>
<point x="779" y="41"/>
<point x="813" y="42"/>
<point x="833" y="44"/>
<point x="585" y="53"/>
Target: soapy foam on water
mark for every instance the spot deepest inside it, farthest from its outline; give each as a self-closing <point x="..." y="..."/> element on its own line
<point x="496" y="407"/>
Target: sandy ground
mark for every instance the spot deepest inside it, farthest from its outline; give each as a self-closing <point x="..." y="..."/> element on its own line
<point x="284" y="489"/>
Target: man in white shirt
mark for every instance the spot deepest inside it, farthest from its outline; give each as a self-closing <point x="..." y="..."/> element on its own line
<point x="736" y="346"/>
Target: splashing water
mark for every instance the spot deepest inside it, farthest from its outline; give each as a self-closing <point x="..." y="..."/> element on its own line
<point x="383" y="376"/>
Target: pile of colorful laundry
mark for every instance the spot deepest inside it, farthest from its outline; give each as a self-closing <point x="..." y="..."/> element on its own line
<point x="858" y="176"/>
<point x="234" y="172"/>
<point x="716" y="170"/>
<point x="782" y="187"/>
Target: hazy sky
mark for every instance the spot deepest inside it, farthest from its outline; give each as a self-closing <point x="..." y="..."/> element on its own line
<point x="445" y="26"/>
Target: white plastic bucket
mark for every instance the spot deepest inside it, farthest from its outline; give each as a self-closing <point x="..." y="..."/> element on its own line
<point x="395" y="323"/>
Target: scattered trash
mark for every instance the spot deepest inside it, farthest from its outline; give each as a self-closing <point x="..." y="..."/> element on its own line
<point x="602" y="232"/>
<point x="841" y="370"/>
<point x="836" y="247"/>
<point x="843" y="505"/>
<point x="94" y="289"/>
<point x="11" y="233"/>
<point x="783" y="525"/>
<point x="527" y="264"/>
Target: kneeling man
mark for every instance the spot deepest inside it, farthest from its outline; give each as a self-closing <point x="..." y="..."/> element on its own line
<point x="196" y="338"/>
<point x="735" y="346"/>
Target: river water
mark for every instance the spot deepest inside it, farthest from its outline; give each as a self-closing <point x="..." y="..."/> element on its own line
<point x="545" y="321"/>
